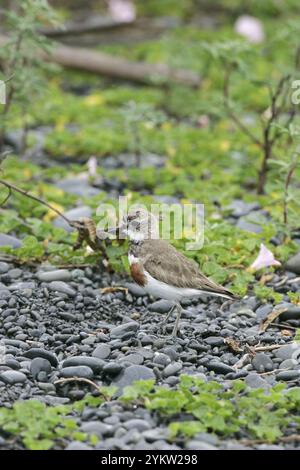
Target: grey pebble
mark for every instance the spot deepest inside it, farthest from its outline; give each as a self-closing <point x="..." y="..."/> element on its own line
<point x="61" y="286"/>
<point x="102" y="351"/>
<point x="77" y="371"/>
<point x="12" y="377"/>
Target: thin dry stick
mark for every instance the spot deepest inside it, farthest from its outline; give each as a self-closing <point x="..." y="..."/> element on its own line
<point x="77" y="379"/>
<point x="287" y="183"/>
<point x="37" y="199"/>
<point x="230" y="112"/>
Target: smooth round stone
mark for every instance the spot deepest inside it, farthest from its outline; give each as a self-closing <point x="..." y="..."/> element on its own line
<point x="219" y="367"/>
<point x="4" y="267"/>
<point x="253" y="380"/>
<point x="133" y="358"/>
<point x="94" y="363"/>
<point x="39" y="365"/>
<point x="55" y="275"/>
<point x="96" y="428"/>
<point x="214" y="341"/>
<point x="15" y="273"/>
<point x="293" y="264"/>
<point x="12" y="377"/>
<point x="38" y="352"/>
<point x="62" y="287"/>
<point x="262" y="363"/>
<point x="77" y="371"/>
<point x="77" y="445"/>
<point x="172" y="369"/>
<point x="132" y="374"/>
<point x="161" y="358"/>
<point x="113" y="368"/>
<point x="137" y="424"/>
<point x="287" y="375"/>
<point x="288" y="351"/>
<point x="289" y="364"/>
<point x="124" y="331"/>
<point x="8" y="240"/>
<point x="102" y="351"/>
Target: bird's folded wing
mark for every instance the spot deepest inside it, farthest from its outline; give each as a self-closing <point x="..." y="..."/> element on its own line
<point x="163" y="262"/>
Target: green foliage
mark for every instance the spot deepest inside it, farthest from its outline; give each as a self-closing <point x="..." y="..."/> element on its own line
<point x="205" y="407"/>
<point x="38" y="425"/>
<point x="209" y="407"/>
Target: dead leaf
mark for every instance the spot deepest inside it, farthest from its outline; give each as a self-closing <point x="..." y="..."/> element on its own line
<point x="233" y="344"/>
<point x="287" y="333"/>
<point x="109" y="290"/>
<point x="270" y="318"/>
<point x="266" y="278"/>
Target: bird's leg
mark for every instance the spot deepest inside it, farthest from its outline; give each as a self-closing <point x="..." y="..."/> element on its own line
<point x="176" y="326"/>
<point x="169" y="313"/>
<point x="164" y="323"/>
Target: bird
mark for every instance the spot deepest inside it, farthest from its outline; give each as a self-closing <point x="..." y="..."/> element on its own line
<point x="162" y="270"/>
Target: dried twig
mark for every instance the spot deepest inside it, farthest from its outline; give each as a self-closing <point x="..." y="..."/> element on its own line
<point x="77" y="379"/>
<point x="11" y="187"/>
<point x="270" y="319"/>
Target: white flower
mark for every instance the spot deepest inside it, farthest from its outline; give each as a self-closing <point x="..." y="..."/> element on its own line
<point x="92" y="166"/>
<point x="264" y="259"/>
<point x="122" y="10"/>
<point x="251" y="28"/>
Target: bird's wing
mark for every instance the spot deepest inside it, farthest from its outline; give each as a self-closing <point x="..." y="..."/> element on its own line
<point x="163" y="262"/>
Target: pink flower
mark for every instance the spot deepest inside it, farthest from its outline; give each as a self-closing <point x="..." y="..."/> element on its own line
<point x="264" y="259"/>
<point x="122" y="10"/>
<point x="251" y="28"/>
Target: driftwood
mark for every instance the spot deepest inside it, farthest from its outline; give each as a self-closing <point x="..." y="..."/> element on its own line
<point x="116" y="67"/>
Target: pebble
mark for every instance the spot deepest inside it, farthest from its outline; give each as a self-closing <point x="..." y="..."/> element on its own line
<point x="293" y="264"/>
<point x="287" y="375"/>
<point x="77" y="445"/>
<point x="38" y="365"/>
<point x="133" y="358"/>
<point x="61" y="286"/>
<point x="8" y="240"/>
<point x="290" y="351"/>
<point x="77" y="371"/>
<point x="4" y="267"/>
<point x="253" y="380"/>
<point x="12" y="377"/>
<point x="219" y="367"/>
<point x="262" y="363"/>
<point x="172" y="369"/>
<point x="92" y="362"/>
<point x="55" y="275"/>
<point x="161" y="306"/>
<point x="38" y="352"/>
<point x="132" y="374"/>
<point x="102" y="351"/>
<point x="125" y="330"/>
<point x="96" y="428"/>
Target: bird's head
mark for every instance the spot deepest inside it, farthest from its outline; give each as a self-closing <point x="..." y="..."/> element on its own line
<point x="139" y="224"/>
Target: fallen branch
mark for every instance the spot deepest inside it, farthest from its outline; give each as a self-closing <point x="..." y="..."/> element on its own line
<point x="116" y="67"/>
<point x="77" y="379"/>
<point x="86" y="227"/>
<point x="270" y="319"/>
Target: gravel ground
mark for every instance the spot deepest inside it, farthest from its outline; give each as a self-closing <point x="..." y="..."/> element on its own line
<point x="56" y="324"/>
